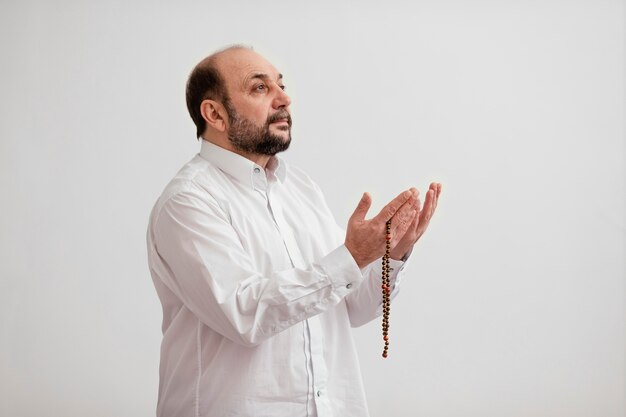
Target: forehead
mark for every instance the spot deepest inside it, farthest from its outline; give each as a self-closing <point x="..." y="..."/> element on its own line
<point x="238" y="66"/>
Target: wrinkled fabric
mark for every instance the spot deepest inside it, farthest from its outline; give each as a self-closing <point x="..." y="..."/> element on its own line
<point x="258" y="292"/>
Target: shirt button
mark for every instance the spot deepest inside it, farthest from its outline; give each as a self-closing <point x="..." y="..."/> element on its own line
<point x="319" y="393"/>
<point x="349" y="286"/>
<point x="257" y="170"/>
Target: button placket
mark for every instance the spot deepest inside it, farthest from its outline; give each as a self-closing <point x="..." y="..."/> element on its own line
<point x="314" y="343"/>
<point x="285" y="231"/>
<point x="320" y="372"/>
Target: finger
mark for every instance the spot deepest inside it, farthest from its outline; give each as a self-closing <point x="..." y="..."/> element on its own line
<point x="437" y="194"/>
<point x="416" y="222"/>
<point x="428" y="206"/>
<point x="433" y="206"/>
<point x="417" y="204"/>
<point x="418" y="208"/>
<point x="433" y="187"/>
<point x="411" y="233"/>
<point x="392" y="207"/>
<point x="426" y="213"/>
<point x="402" y="232"/>
<point x="403" y="219"/>
<point x="362" y="208"/>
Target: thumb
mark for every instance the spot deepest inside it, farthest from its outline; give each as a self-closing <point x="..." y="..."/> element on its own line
<point x="362" y="208"/>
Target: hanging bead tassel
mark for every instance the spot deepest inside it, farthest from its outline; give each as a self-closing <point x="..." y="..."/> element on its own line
<point x="386" y="287"/>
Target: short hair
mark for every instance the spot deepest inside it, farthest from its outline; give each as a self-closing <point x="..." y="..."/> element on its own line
<point x="206" y="83"/>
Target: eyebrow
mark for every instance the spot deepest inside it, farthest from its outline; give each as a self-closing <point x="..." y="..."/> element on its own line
<point x="263" y="76"/>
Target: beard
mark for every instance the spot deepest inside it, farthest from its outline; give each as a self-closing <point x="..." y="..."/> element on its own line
<point x="248" y="137"/>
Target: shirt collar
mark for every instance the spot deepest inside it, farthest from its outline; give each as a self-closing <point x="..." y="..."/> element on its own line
<point x="241" y="168"/>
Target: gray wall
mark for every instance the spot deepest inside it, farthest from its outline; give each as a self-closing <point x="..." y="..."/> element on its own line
<point x="514" y="301"/>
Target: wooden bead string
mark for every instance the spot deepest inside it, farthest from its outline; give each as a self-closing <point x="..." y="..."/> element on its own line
<point x="386" y="287"/>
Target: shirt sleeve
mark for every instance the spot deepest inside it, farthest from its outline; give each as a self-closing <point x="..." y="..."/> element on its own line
<point x="366" y="303"/>
<point x="201" y="260"/>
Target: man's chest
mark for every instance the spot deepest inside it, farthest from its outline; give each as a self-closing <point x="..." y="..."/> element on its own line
<point x="281" y="228"/>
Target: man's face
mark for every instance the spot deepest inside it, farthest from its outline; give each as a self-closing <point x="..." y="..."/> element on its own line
<point x="257" y="106"/>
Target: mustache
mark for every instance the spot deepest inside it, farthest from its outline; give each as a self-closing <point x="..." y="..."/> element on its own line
<point x="279" y="115"/>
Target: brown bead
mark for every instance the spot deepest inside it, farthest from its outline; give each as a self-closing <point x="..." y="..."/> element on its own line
<point x="386" y="288"/>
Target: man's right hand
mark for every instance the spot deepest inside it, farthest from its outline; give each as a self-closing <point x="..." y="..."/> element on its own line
<point x="365" y="239"/>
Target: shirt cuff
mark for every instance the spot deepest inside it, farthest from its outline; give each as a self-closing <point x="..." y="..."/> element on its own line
<point x="341" y="269"/>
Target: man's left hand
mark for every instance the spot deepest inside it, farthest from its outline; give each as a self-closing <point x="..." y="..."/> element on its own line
<point x="419" y="224"/>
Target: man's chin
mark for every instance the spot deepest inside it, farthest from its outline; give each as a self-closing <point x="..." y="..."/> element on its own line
<point x="281" y="135"/>
<point x="284" y="142"/>
<point x="273" y="144"/>
<point x="281" y="130"/>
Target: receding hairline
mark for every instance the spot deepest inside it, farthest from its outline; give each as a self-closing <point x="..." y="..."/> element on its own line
<point x="211" y="60"/>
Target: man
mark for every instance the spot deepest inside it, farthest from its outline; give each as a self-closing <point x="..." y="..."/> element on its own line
<point x="259" y="285"/>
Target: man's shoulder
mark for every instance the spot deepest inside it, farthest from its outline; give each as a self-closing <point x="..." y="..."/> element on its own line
<point x="196" y="178"/>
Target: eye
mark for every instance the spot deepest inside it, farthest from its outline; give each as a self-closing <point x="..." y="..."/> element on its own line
<point x="260" y="87"/>
<point x="282" y="87"/>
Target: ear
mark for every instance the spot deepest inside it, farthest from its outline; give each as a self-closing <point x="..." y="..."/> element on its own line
<point x="214" y="114"/>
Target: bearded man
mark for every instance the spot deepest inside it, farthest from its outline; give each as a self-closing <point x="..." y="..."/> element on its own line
<point x="259" y="285"/>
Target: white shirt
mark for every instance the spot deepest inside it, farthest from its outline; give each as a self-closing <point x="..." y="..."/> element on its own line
<point x="258" y="293"/>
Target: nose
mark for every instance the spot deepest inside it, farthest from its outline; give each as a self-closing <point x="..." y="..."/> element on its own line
<point x="281" y="99"/>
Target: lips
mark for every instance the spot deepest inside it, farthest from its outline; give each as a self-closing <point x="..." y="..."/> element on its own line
<point x="280" y="117"/>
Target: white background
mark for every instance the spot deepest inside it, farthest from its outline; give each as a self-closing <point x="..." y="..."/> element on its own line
<point x="514" y="301"/>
